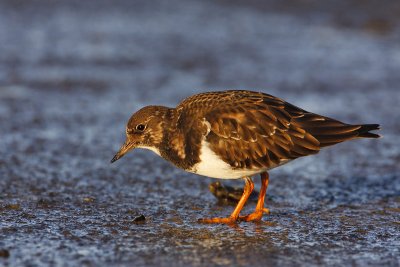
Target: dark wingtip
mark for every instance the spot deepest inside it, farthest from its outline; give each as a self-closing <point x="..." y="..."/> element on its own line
<point x="365" y="129"/>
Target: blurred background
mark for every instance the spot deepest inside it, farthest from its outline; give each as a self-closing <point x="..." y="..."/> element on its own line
<point x="72" y="72"/>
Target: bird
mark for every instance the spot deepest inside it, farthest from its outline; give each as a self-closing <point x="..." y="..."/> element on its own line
<point x="235" y="134"/>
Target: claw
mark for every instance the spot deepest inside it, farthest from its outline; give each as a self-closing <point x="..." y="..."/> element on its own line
<point x="255" y="216"/>
<point x="266" y="210"/>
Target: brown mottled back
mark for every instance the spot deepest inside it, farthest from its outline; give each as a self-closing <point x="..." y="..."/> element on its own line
<point x="256" y="130"/>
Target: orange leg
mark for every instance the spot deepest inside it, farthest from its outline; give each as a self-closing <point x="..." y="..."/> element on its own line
<point x="248" y="188"/>
<point x="258" y="212"/>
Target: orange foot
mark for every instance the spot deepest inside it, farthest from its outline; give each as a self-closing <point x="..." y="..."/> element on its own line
<point x="233" y="219"/>
<point x="228" y="220"/>
<point x="255" y="216"/>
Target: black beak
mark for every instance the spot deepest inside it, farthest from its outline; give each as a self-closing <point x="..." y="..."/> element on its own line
<point x="116" y="157"/>
<point x="122" y="151"/>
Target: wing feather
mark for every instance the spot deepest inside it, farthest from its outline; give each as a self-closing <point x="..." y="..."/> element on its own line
<point x="257" y="132"/>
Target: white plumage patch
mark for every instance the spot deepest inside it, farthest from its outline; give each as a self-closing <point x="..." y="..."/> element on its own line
<point x="211" y="165"/>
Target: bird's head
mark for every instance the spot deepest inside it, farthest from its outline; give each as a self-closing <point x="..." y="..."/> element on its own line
<point x="144" y="130"/>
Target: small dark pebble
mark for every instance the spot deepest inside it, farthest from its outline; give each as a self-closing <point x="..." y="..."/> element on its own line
<point x="4" y="253"/>
<point x="139" y="219"/>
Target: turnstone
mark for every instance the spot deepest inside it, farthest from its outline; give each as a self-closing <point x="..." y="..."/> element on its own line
<point x="235" y="134"/>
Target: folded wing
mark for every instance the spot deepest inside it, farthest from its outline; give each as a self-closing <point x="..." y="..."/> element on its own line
<point x="257" y="132"/>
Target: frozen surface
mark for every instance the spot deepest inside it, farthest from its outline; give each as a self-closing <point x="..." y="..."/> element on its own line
<point x="72" y="72"/>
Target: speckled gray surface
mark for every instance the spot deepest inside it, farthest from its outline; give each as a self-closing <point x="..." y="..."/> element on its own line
<point x="71" y="74"/>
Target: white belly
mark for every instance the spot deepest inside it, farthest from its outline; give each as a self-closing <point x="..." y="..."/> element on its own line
<point x="211" y="165"/>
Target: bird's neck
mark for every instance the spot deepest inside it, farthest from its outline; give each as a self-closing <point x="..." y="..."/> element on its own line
<point x="178" y="143"/>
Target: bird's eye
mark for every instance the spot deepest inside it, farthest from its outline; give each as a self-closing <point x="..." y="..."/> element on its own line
<point x="140" y="127"/>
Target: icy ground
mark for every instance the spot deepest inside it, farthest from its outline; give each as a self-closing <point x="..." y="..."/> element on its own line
<point x="72" y="72"/>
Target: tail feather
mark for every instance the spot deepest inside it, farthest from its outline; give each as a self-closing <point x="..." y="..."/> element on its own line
<point x="365" y="129"/>
<point x="329" y="131"/>
<point x="328" y="138"/>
